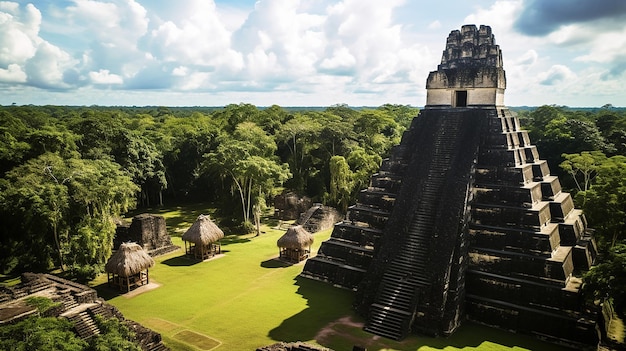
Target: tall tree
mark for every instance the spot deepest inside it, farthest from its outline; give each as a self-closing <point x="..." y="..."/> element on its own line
<point x="187" y="140"/>
<point x="13" y="147"/>
<point x="299" y="135"/>
<point x="363" y="165"/>
<point x="583" y="167"/>
<point x="607" y="280"/>
<point x="61" y="211"/>
<point x="143" y="162"/>
<point x="247" y="159"/>
<point x="340" y="183"/>
<point x="605" y="204"/>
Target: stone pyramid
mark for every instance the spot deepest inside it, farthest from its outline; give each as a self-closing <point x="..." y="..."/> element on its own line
<point x="464" y="220"/>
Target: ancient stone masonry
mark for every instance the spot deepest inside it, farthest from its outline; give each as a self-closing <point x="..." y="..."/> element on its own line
<point x="464" y="220"/>
<point x="147" y="230"/>
<point x="318" y="217"/>
<point x="75" y="302"/>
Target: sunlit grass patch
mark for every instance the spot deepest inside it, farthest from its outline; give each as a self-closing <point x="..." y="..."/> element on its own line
<point x="200" y="341"/>
<point x="247" y="299"/>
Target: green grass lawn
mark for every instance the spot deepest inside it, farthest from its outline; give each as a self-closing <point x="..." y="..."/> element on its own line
<point x="247" y="299"/>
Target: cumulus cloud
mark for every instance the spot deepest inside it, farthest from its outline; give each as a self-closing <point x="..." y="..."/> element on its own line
<point x="334" y="48"/>
<point x="13" y="74"/>
<point x="18" y="33"/>
<point x="365" y="40"/>
<point x="528" y="59"/>
<point x="280" y="45"/>
<point x="115" y="23"/>
<point x="280" y="36"/>
<point x="607" y="48"/>
<point x="198" y="38"/>
<point x="340" y="62"/>
<point x="26" y="58"/>
<point x="46" y="69"/>
<point x="104" y="77"/>
<point x="113" y="29"/>
<point x="557" y="74"/>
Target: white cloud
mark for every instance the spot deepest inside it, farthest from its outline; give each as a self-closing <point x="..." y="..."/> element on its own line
<point x="371" y="43"/>
<point x="557" y="74"/>
<point x="500" y="15"/>
<point x="27" y="57"/>
<point x="180" y="71"/>
<point x="528" y="59"/>
<point x="199" y="39"/>
<point x="46" y="68"/>
<point x="281" y="29"/>
<point x="195" y="80"/>
<point x="340" y="61"/>
<point x="10" y="7"/>
<point x="330" y="50"/>
<point x="104" y="77"/>
<point x="13" y="74"/>
<point x="118" y="23"/>
<point x="112" y="30"/>
<point x="606" y="47"/>
<point x="18" y="33"/>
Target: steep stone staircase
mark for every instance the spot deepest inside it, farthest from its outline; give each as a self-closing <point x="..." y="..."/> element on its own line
<point x="392" y="313"/>
<point x="84" y="325"/>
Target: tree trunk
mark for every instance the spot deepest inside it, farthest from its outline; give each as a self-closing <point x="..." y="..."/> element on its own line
<point x="57" y="242"/>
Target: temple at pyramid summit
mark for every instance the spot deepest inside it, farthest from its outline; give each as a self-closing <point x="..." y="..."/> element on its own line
<point x="464" y="221"/>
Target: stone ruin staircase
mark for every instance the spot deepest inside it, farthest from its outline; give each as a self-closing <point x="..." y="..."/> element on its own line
<point x="84" y="325"/>
<point x="393" y="311"/>
<point x="318" y="217"/>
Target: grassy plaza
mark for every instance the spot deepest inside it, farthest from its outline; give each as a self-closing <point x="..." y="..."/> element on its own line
<point x="246" y="298"/>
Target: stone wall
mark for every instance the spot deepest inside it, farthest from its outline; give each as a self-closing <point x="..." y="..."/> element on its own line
<point x="147" y="230"/>
<point x="472" y="63"/>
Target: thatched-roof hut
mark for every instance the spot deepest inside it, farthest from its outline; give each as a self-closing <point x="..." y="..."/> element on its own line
<point x="295" y="244"/>
<point x="128" y="267"/>
<point x="202" y="238"/>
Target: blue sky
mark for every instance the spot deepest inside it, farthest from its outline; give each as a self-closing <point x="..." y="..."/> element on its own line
<point x="299" y="52"/>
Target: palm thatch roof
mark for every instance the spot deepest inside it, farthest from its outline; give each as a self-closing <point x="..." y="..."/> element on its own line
<point x="203" y="231"/>
<point x="296" y="237"/>
<point x="129" y="260"/>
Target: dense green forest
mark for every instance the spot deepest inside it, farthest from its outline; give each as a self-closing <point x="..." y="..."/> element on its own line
<point x="67" y="173"/>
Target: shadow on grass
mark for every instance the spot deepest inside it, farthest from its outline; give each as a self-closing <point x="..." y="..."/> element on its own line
<point x="271" y="221"/>
<point x="106" y="292"/>
<point x="233" y="239"/>
<point x="330" y="320"/>
<point x="180" y="261"/>
<point x="275" y="263"/>
<point x="325" y="304"/>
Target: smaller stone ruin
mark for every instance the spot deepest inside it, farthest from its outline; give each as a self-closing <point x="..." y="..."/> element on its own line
<point x="149" y="231"/>
<point x="75" y="302"/>
<point x="319" y="217"/>
<point x="289" y="206"/>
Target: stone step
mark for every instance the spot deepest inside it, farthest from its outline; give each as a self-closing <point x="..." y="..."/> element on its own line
<point x="156" y="347"/>
<point x="395" y="303"/>
<point x="387" y="322"/>
<point x="84" y="325"/>
<point x="403" y="269"/>
<point x="415" y="280"/>
<point x="395" y="300"/>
